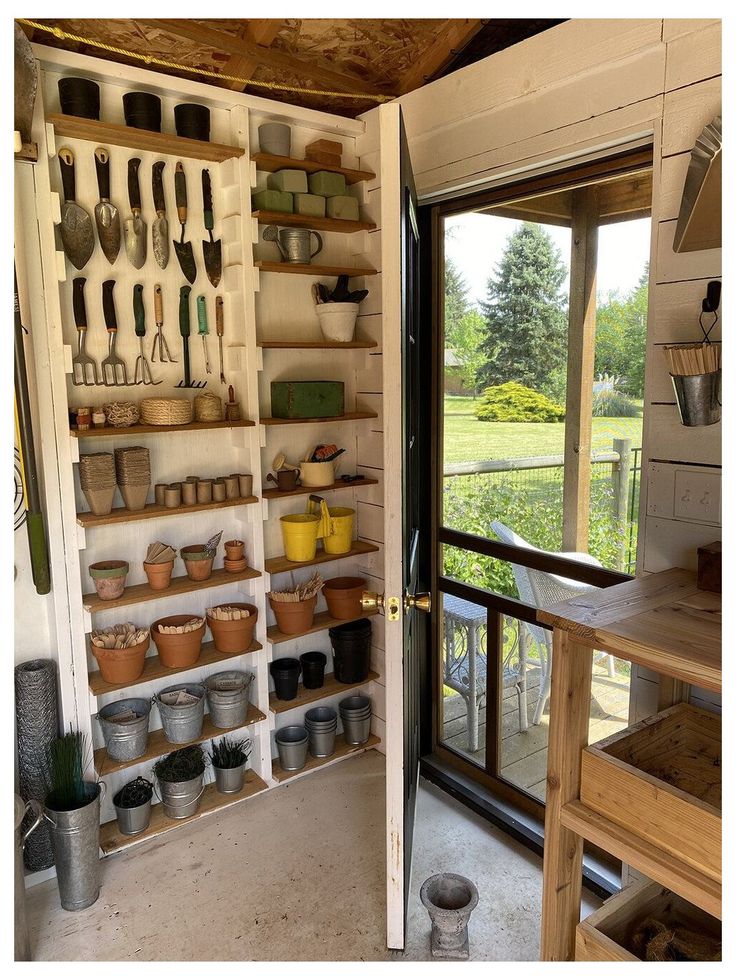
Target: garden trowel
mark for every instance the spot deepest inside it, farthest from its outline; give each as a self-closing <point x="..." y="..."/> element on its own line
<point x="77" y="235"/>
<point x="212" y="249"/>
<point x="135" y="226"/>
<point x="160" y="228"/>
<point x="183" y="249"/>
<point x="107" y="217"/>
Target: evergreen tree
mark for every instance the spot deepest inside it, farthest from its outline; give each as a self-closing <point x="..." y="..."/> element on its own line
<point x="456" y="302"/>
<point x="620" y="336"/>
<point x="525" y="312"/>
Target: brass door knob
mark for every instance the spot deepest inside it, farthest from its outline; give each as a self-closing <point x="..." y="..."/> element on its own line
<point x="421" y="601"/>
<point x="377" y="602"/>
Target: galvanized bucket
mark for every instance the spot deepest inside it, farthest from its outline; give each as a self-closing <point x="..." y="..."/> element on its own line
<point x="291" y="743"/>
<point x="75" y="835"/>
<point x="230" y="780"/>
<point x="126" y="740"/>
<point x="356" y="730"/>
<point x="184" y="723"/>
<point x="22" y="941"/>
<point x="132" y="819"/>
<point x="227" y="696"/>
<point x="698" y="397"/>
<point x="181" y="799"/>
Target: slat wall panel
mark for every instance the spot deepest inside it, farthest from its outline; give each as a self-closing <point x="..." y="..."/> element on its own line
<point x="689" y="62"/>
<point x="676" y="311"/>
<point x="686" y="111"/>
<point x="672" y="29"/>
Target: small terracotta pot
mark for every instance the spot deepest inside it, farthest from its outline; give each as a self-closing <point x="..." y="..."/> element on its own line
<point x="294" y="617"/>
<point x="198" y="569"/>
<point x="177" y="649"/>
<point x="234" y="550"/>
<point x="121" y="666"/>
<point x="158" y="573"/>
<point x="109" y="578"/>
<point x="236" y="635"/>
<point x="343" y="596"/>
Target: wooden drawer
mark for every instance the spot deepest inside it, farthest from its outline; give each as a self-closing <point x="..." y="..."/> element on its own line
<point x="610" y="933"/>
<point x="661" y="780"/>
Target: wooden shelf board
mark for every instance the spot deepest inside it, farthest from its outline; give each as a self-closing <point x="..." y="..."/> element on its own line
<point x="688" y="882"/>
<point x="287" y="220"/>
<point x="137" y="430"/>
<point x="111" y="840"/>
<point x="121" y="515"/>
<point x="317" y="344"/>
<point x="158" y="744"/>
<point x="310" y="695"/>
<point x="154" y="670"/>
<point x="270" y="162"/>
<point x="274" y="566"/>
<point x="75" y="127"/>
<point x="179" y="586"/>
<point x="342" y="751"/>
<point x="348" y="417"/>
<point x="312" y="269"/>
<point x="274" y="493"/>
<point x="322" y="621"/>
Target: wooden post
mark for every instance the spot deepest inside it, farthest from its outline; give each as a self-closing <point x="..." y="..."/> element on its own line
<point x="580" y="361"/>
<point x="621" y="472"/>
<point x="572" y="667"/>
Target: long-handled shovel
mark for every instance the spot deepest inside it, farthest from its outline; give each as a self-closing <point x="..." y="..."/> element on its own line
<point x="35" y="522"/>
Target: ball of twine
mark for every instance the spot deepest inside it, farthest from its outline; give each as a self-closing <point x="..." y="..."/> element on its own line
<point x="120" y="415"/>
<point x="208" y="408"/>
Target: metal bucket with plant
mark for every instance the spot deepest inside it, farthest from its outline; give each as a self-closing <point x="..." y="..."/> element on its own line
<point x="180" y="776"/>
<point x="229" y="759"/>
<point x="133" y="806"/>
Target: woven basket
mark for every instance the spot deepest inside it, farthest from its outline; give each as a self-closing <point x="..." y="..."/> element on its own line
<point x="208" y="408"/>
<point x="121" y="415"/>
<point x="166" y="411"/>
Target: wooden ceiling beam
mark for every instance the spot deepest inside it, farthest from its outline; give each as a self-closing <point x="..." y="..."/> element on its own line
<point x="307" y="68"/>
<point x="451" y="39"/>
<point x="260" y="32"/>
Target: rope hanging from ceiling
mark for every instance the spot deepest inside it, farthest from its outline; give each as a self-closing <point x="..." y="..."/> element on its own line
<point x="150" y="59"/>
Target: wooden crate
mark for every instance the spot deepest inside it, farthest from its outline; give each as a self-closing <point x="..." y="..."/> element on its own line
<point x="661" y="780"/>
<point x="608" y="935"/>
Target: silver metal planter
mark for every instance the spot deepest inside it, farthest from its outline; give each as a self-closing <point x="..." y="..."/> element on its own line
<point x="133" y="819"/>
<point x="126" y="740"/>
<point x="356" y="730"/>
<point x="698" y="397"/>
<point x="227" y="696"/>
<point x="449" y="899"/>
<point x="291" y="742"/>
<point x="22" y="941"/>
<point x="182" y="723"/>
<point x="230" y="780"/>
<point x="181" y="799"/>
<point x="75" y="835"/>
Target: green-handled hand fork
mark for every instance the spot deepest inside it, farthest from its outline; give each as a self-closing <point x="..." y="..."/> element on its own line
<point x="203" y="329"/>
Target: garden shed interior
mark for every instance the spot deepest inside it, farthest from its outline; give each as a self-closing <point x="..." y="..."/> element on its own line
<point x="368" y="489"/>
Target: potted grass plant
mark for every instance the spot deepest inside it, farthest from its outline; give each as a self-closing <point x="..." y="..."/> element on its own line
<point x="180" y="776"/>
<point x="133" y="806"/>
<point x="72" y="807"/>
<point x="229" y="759"/>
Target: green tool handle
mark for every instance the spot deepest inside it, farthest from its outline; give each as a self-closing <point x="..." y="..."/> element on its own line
<point x="209" y="218"/>
<point x="139" y="312"/>
<point x="184" y="328"/>
<point x="202" y="315"/>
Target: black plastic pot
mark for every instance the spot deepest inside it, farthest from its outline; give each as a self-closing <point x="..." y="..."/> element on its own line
<point x="79" y="97"/>
<point x="313" y="669"/>
<point x="285" y="673"/>
<point x="192" y="120"/>
<point x="142" y="111"/>
<point x="351" y="645"/>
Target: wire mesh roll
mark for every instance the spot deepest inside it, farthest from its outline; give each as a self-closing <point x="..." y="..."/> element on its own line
<point x="37" y="725"/>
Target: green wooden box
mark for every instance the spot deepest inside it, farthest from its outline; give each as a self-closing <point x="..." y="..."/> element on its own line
<point x="307" y="399"/>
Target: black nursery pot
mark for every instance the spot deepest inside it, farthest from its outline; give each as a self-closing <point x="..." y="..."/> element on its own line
<point x="79" y="97"/>
<point x="285" y="673"/>
<point x="313" y="669"/>
<point x="192" y="120"/>
<point x="142" y="111"/>
<point x="351" y="645"/>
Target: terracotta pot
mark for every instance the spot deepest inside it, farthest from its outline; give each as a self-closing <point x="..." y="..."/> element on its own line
<point x="198" y="563"/>
<point x="343" y="596"/>
<point x="234" y="550"/>
<point x="109" y="578"/>
<point x="236" y="635"/>
<point x="177" y="649"/>
<point x="158" y="573"/>
<point x="294" y="617"/>
<point x="121" y="666"/>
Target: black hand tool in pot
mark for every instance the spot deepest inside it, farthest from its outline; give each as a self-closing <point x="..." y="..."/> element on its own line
<point x="113" y="366"/>
<point x="159" y="341"/>
<point x="160" y="227"/>
<point x="77" y="235"/>
<point x="107" y="216"/>
<point x="184" y="330"/>
<point x="84" y="367"/>
<point x="211" y="249"/>
<point x="135" y="226"/>
<point x="183" y="249"/>
<point x="142" y="367"/>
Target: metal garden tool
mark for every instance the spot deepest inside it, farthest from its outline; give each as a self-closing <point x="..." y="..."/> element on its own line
<point x="184" y="330"/>
<point x="84" y="367"/>
<point x="26" y="83"/>
<point x="220" y="328"/>
<point x="159" y="340"/>
<point x="135" y="226"/>
<point x="160" y="227"/>
<point x="113" y="366"/>
<point x="212" y="249"/>
<point x="183" y="249"/>
<point x="107" y="216"/>
<point x="203" y="329"/>
<point x="142" y="367"/>
<point x="77" y="234"/>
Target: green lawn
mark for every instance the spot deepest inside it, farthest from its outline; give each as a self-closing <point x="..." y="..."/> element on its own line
<point x="467" y="439"/>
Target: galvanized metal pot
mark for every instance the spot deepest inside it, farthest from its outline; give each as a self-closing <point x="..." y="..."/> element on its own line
<point x="230" y="780"/>
<point x="75" y="835"/>
<point x="184" y="723"/>
<point x="698" y="397"/>
<point x="181" y="799"/>
<point x="22" y="941"/>
<point x="291" y="743"/>
<point x="127" y="740"/>
<point x="227" y="696"/>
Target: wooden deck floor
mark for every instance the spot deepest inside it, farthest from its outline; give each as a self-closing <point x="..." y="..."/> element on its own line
<point x="524" y="754"/>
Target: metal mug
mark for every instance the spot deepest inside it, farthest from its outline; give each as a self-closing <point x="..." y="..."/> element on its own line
<point x="295" y="245"/>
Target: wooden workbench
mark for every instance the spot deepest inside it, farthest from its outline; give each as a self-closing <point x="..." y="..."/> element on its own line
<point x="663" y="622"/>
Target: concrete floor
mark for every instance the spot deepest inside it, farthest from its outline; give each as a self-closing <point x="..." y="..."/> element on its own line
<point x="295" y="874"/>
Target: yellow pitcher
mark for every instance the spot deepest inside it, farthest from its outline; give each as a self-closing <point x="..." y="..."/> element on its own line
<point x="335" y="526"/>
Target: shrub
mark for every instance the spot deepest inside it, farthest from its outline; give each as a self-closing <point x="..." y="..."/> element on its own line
<point x="514" y="402"/>
<point x="612" y="404"/>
